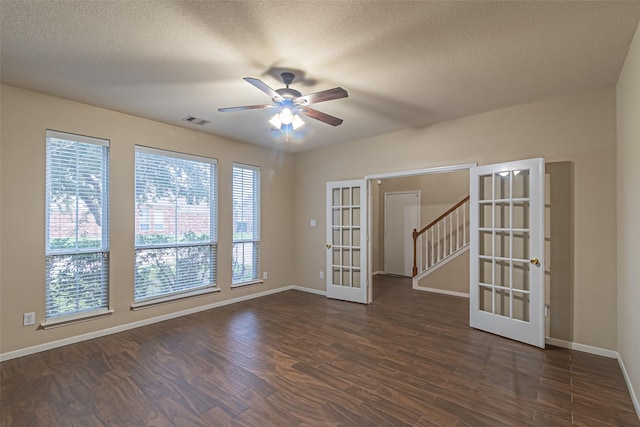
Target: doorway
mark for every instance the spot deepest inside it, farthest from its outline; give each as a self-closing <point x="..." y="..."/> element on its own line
<point x="439" y="190"/>
<point x="401" y="217"/>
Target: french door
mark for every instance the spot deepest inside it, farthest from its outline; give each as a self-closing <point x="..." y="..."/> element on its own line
<point x="507" y="250"/>
<point x="346" y="240"/>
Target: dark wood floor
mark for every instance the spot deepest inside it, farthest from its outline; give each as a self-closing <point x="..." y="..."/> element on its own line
<point x="300" y="359"/>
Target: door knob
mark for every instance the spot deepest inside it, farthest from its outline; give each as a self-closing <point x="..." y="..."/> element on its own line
<point x="535" y="261"/>
<point x="328" y="246"/>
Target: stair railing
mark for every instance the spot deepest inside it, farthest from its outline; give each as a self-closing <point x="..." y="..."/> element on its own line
<point x="443" y="237"/>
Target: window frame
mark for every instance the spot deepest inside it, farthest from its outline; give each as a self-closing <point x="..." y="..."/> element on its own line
<point x="212" y="242"/>
<point x="76" y="253"/>
<point x="254" y="223"/>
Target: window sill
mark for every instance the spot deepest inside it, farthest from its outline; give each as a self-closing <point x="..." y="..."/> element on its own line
<point x="74" y="318"/>
<point x="253" y="282"/>
<point x="168" y="299"/>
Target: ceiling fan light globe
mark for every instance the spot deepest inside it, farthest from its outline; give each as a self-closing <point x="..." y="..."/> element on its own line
<point x="286" y="116"/>
<point x="275" y="121"/>
<point x="297" y="122"/>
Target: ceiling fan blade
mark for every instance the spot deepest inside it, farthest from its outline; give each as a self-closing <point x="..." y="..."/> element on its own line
<point x="323" y="95"/>
<point x="265" y="88"/>
<point x="319" y="115"/>
<point x="246" y="107"/>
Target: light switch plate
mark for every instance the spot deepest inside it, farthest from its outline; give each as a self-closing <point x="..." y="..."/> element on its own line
<point x="28" y="319"/>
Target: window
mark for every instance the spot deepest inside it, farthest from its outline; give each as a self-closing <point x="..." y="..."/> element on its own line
<point x="246" y="224"/>
<point x="76" y="225"/>
<point x="178" y="254"/>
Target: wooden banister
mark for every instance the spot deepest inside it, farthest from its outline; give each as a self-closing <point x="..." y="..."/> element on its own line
<point x="417" y="233"/>
<point x="435" y="221"/>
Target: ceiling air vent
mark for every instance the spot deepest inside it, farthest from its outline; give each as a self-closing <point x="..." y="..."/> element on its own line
<point x="195" y="120"/>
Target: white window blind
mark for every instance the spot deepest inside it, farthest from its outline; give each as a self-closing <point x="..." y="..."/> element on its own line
<point x="76" y="224"/>
<point x="178" y="253"/>
<point x="246" y="223"/>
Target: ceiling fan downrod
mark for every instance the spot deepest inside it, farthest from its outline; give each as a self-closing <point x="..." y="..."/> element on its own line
<point x="287" y="92"/>
<point x="287" y="78"/>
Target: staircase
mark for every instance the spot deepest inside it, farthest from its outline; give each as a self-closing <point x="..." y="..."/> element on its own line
<point x="441" y="241"/>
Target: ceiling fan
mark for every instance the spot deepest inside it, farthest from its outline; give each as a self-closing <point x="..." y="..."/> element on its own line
<point x="291" y="101"/>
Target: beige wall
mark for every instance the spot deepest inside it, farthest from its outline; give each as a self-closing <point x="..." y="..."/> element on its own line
<point x="580" y="129"/>
<point x="25" y="117"/>
<point x="451" y="277"/>
<point x="628" y="150"/>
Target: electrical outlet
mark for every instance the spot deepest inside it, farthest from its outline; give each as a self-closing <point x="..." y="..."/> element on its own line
<point x="322" y="274"/>
<point x="313" y="223"/>
<point x="265" y="276"/>
<point x="28" y="319"/>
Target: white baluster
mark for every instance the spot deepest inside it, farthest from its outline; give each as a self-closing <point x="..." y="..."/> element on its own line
<point x="422" y="251"/>
<point x="450" y="233"/>
<point x="431" y="247"/>
<point x="439" y="244"/>
<point x="457" y="229"/>
<point x="442" y="239"/>
<point x="419" y="254"/>
<point x="464" y="223"/>
<point x="445" y="237"/>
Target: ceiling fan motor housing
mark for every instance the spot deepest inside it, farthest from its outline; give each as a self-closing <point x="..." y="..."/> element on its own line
<point x="288" y="93"/>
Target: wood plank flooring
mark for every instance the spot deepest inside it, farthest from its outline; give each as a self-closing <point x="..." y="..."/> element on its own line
<point x="295" y="358"/>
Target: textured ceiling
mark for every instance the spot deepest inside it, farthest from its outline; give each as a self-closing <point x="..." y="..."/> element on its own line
<point x="405" y="64"/>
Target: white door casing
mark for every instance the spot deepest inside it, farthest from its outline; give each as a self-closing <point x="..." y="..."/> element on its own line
<point x="401" y="217"/>
<point x="507" y="250"/>
<point x="347" y="240"/>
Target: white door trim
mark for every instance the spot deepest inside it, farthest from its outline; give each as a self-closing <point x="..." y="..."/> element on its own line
<point x="439" y="169"/>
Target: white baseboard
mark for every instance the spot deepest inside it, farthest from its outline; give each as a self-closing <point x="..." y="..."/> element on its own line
<point x="311" y="291"/>
<point x="582" y="347"/>
<point x="120" y="328"/>
<point x="634" y="397"/>
<point x="441" y="291"/>
<point x="375" y="273"/>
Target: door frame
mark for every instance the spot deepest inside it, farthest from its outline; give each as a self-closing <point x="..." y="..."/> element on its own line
<point x="412" y="172"/>
<point x="397" y="193"/>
